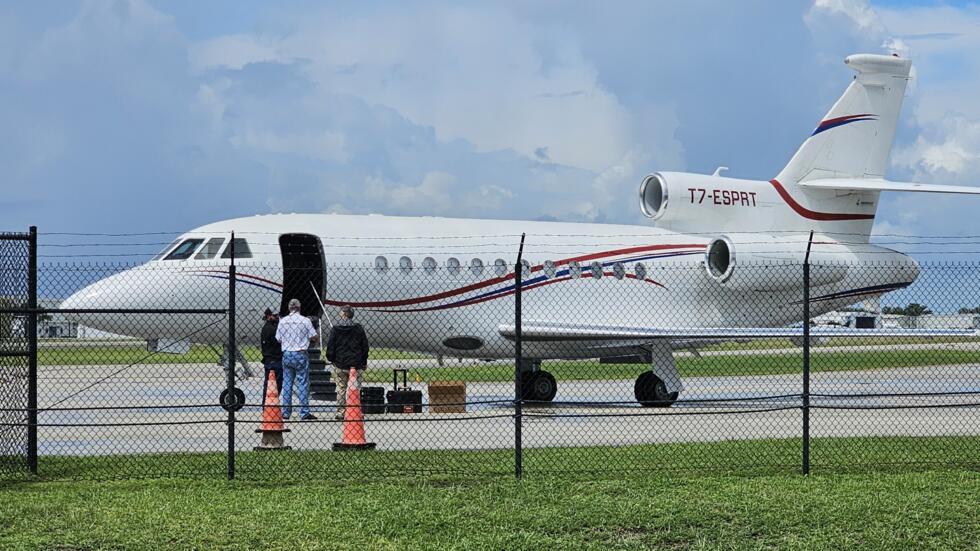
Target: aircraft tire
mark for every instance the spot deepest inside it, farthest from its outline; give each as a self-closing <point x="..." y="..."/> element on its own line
<point x="651" y="392"/>
<point x="539" y="386"/>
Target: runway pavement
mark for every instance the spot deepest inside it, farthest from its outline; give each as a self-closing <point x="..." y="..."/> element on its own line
<point x="174" y="411"/>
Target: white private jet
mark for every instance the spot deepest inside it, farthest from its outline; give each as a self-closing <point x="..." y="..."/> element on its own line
<point x="588" y="288"/>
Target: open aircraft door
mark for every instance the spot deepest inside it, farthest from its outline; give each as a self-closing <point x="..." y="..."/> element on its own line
<point x="303" y="271"/>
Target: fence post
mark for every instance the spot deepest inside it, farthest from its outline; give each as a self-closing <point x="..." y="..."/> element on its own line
<point x="232" y="356"/>
<point x="32" y="352"/>
<point x="518" y="391"/>
<point x="806" y="357"/>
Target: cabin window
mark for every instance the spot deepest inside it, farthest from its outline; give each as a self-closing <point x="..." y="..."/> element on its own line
<point x="619" y="271"/>
<point x="549" y="269"/>
<point x="452" y="266"/>
<point x="429" y="265"/>
<point x="380" y="264"/>
<point x="184" y="250"/>
<point x="596" y="269"/>
<point x="476" y="266"/>
<point x="500" y="266"/>
<point x="405" y="264"/>
<point x="574" y="269"/>
<point x="525" y="269"/>
<point x="240" y="247"/>
<point x="166" y="249"/>
<point x="210" y="249"/>
<point x="641" y="271"/>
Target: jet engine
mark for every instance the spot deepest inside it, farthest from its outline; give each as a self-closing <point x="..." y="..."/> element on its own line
<point x="760" y="263"/>
<point x="691" y="202"/>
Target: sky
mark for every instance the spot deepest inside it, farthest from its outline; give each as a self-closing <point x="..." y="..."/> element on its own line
<point x="157" y="116"/>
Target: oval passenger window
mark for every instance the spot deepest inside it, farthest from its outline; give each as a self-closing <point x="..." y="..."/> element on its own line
<point x="405" y="264"/>
<point x="452" y="266"/>
<point x="549" y="269"/>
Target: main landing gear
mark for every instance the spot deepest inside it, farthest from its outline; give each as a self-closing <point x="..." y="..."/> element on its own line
<point x="537" y="385"/>
<point x="651" y="391"/>
<point x="659" y="387"/>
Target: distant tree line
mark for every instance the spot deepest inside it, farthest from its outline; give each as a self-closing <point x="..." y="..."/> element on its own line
<point x="913" y="309"/>
<point x="916" y="309"/>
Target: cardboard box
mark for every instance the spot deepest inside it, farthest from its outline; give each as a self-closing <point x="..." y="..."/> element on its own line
<point x="447" y="397"/>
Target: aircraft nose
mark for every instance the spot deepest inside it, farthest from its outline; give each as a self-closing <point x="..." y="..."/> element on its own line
<point x="106" y="294"/>
<point x="83" y="299"/>
<point x="90" y="297"/>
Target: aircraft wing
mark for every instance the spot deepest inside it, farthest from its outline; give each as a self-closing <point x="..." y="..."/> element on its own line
<point x="537" y="330"/>
<point x="873" y="184"/>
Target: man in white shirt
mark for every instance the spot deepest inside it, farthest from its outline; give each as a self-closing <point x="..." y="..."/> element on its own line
<point x="296" y="334"/>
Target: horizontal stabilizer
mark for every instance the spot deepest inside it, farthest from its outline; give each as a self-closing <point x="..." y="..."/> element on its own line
<point x="874" y="184"/>
<point x="554" y="331"/>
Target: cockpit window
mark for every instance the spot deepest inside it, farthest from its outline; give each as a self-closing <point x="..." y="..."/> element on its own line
<point x="210" y="249"/>
<point x="241" y="249"/>
<point x="166" y="249"/>
<point x="184" y="250"/>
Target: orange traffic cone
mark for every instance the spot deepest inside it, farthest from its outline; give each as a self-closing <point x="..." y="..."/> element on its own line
<point x="272" y="425"/>
<point x="353" y="437"/>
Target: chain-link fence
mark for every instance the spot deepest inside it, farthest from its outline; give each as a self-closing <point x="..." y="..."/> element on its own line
<point x="624" y="364"/>
<point x="16" y="346"/>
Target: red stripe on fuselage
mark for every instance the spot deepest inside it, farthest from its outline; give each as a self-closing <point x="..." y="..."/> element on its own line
<point x="510" y="292"/>
<point x="812" y="214"/>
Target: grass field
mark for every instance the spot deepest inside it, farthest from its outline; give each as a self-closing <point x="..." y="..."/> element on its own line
<point x="706" y="366"/>
<point x="658" y="503"/>
<point x="764" y="344"/>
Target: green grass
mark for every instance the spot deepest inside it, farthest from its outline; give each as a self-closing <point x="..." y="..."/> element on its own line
<point x="765" y="344"/>
<point x="570" y="498"/>
<point x="761" y="364"/>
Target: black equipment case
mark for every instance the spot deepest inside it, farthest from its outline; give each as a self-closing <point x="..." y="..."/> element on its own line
<point x="403" y="399"/>
<point x="373" y="399"/>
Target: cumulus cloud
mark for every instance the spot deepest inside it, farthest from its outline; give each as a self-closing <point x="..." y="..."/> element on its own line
<point x="505" y="110"/>
<point x="949" y="147"/>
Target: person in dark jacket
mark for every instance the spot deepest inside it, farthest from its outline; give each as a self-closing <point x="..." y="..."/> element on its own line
<point x="271" y="352"/>
<point x="347" y="347"/>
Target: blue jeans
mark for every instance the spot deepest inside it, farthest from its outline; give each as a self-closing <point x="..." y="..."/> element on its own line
<point x="276" y="366"/>
<point x="295" y="365"/>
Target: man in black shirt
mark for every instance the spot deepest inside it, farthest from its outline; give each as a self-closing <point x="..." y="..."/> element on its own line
<point x="271" y="352"/>
<point x="347" y="347"/>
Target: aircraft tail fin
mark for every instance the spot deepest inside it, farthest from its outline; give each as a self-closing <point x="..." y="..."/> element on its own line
<point x="855" y="138"/>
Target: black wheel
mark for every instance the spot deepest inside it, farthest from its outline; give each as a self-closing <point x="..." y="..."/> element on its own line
<point x="527" y="387"/>
<point x="539" y="386"/>
<point x="651" y="391"/>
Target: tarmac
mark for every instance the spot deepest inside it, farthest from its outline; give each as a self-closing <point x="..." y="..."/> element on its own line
<point x="172" y="409"/>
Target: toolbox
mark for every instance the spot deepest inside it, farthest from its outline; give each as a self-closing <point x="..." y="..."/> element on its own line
<point x="402" y="399"/>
